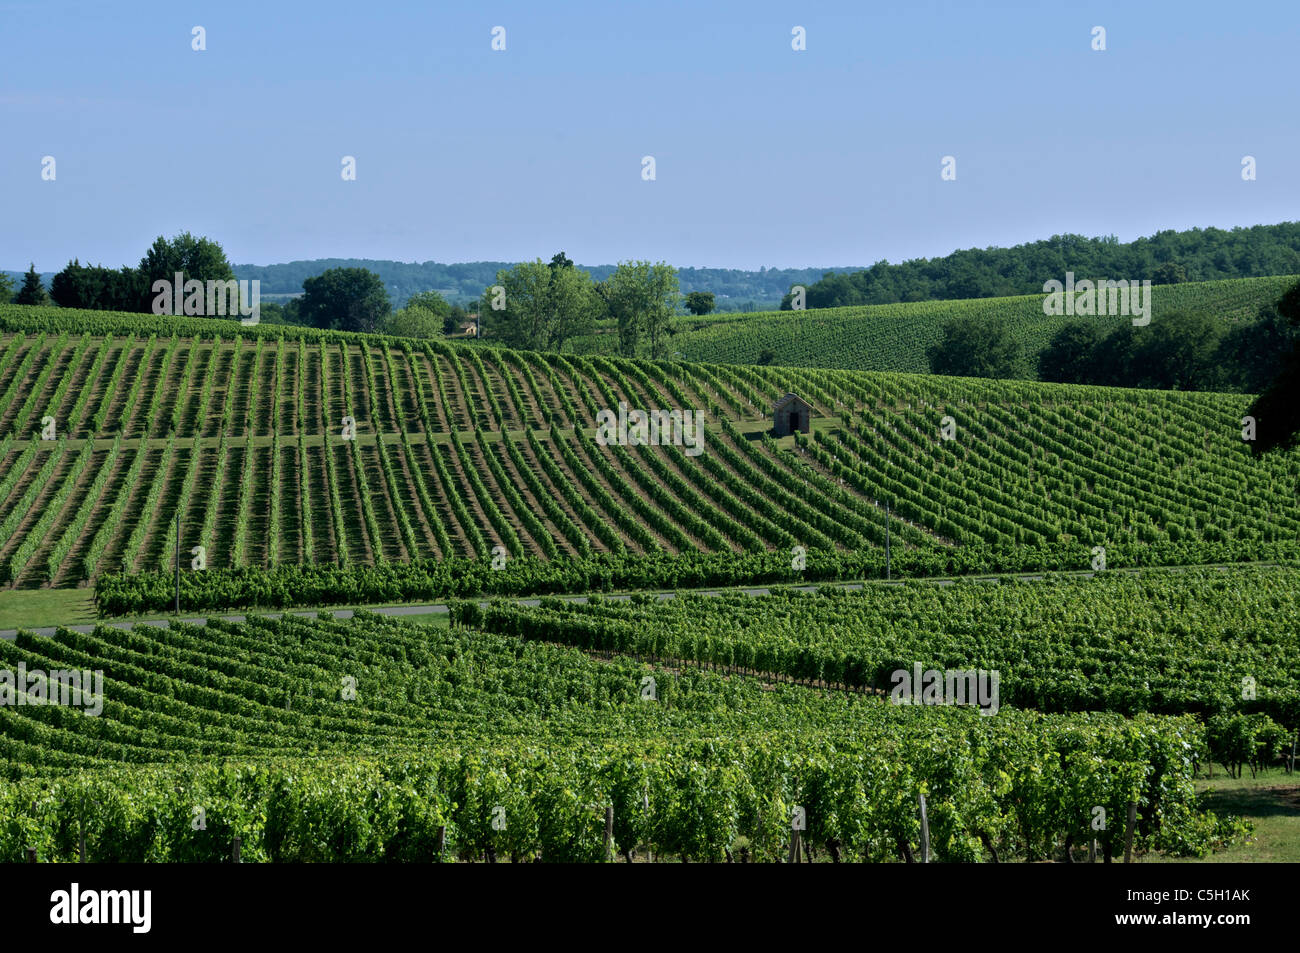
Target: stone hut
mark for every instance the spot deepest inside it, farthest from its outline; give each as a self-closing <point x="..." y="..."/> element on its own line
<point x="791" y="413"/>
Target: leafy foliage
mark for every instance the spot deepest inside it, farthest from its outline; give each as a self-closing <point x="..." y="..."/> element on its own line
<point x="344" y="299"/>
<point x="1165" y="258"/>
<point x="252" y="723"/>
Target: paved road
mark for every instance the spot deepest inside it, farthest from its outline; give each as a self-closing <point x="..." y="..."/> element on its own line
<point x="441" y="607"/>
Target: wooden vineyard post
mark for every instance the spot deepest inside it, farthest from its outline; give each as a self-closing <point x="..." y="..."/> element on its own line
<point x="1128" y="836"/>
<point x="609" y="834"/>
<point x="31" y="855"/>
<point x="1294" y="741"/>
<point x="925" y="830"/>
<point x="798" y="821"/>
<point x="1092" y="851"/>
<point x="234" y="856"/>
<point x="888" y="560"/>
<point x="440" y="844"/>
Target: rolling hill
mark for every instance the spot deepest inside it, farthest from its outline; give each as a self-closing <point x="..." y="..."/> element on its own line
<point x="465" y="455"/>
<point x="894" y="337"/>
<point x="460" y="450"/>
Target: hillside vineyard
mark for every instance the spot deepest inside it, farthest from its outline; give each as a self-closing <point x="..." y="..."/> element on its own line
<point x="894" y="337"/>
<point x="254" y="724"/>
<point x="462" y="449"/>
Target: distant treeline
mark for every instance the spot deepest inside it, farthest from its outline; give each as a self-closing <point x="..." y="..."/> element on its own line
<point x="733" y="289"/>
<point x="1165" y="258"/>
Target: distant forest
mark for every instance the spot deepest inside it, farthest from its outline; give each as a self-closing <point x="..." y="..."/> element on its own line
<point x="1164" y="258"/>
<point x="733" y="289"/>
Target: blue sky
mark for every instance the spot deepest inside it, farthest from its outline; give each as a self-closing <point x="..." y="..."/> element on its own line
<point x="764" y="156"/>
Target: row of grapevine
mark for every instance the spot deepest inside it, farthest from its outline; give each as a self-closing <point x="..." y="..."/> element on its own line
<point x="221" y="715"/>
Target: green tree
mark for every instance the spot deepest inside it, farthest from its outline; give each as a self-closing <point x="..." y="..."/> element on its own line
<point x="454" y="320"/>
<point x="415" y="321"/>
<point x="271" y="312"/>
<point x="425" y="315"/>
<point x="1168" y="273"/>
<point x="195" y="258"/>
<point x="642" y="298"/>
<point x="1069" y="357"/>
<point x="542" y="307"/>
<point x="1113" y="361"/>
<point x="32" y="291"/>
<point x="1256" y="352"/>
<point x="6" y="288"/>
<point x="976" y="347"/>
<point x="1277" y="409"/>
<point x="700" y="302"/>
<point x="344" y="299"/>
<point x="1178" y="352"/>
<point x="94" y="287"/>
<point x="429" y="301"/>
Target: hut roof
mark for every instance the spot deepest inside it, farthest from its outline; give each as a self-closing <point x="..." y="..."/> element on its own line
<point x="787" y="400"/>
